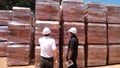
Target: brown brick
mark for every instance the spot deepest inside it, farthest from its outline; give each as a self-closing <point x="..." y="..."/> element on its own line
<point x="47" y="11"/>
<point x="73" y="11"/>
<point x="3" y="49"/>
<point x="97" y="55"/>
<point x="113" y="33"/>
<point x="37" y="56"/>
<point x="97" y="33"/>
<point x="18" y="54"/>
<point x="96" y="12"/>
<point x="114" y="55"/>
<point x="3" y="33"/>
<point x="20" y="34"/>
<point x="113" y="14"/>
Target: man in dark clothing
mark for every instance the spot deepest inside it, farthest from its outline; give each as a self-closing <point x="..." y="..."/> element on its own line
<point x="72" y="48"/>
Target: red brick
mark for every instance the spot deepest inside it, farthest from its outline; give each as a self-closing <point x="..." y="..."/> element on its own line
<point x="97" y="55"/>
<point x="73" y="11"/>
<point x="37" y="56"/>
<point x="113" y="14"/>
<point x="3" y="49"/>
<point x="114" y="55"/>
<point x="18" y="54"/>
<point x="19" y="34"/>
<point x="96" y="12"/>
<point x="97" y="33"/>
<point x="47" y="11"/>
<point x="113" y="33"/>
<point x="3" y="33"/>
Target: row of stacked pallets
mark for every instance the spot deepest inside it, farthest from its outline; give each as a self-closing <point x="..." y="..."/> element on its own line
<point x="97" y="26"/>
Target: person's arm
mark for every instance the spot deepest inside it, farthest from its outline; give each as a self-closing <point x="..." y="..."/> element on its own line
<point x="55" y="55"/>
<point x="55" y="51"/>
<point x="70" y="53"/>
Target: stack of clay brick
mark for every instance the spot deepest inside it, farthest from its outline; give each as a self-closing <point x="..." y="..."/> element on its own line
<point x="113" y="20"/>
<point x="5" y="18"/>
<point x="96" y="14"/>
<point x="19" y="36"/>
<point x="47" y="14"/>
<point x="73" y="16"/>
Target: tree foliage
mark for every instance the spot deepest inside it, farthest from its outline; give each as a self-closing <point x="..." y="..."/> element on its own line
<point x="8" y="4"/>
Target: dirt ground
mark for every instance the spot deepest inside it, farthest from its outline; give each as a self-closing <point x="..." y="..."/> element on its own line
<point x="3" y="64"/>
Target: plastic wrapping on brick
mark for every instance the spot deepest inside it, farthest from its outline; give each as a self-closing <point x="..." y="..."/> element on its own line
<point x="37" y="56"/>
<point x="3" y="33"/>
<point x="47" y="11"/>
<point x="114" y="54"/>
<point x="113" y="14"/>
<point x="19" y="34"/>
<point x="6" y="15"/>
<point x="96" y="12"/>
<point x="97" y="33"/>
<point x="22" y="15"/>
<point x="113" y="33"/>
<point x="53" y="25"/>
<point x="73" y="11"/>
<point x="97" y="55"/>
<point x="21" y="9"/>
<point x="80" y="57"/>
<point x="18" y="54"/>
<point x="3" y="49"/>
<point x="80" y="31"/>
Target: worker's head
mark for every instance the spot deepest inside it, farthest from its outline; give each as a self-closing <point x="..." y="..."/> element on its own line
<point x="46" y="31"/>
<point x="72" y="30"/>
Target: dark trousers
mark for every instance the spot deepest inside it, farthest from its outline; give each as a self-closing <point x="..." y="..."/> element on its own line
<point x="74" y="64"/>
<point x="46" y="62"/>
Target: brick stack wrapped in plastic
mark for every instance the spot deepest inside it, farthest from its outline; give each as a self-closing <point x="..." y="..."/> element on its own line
<point x="47" y="14"/>
<point x="95" y="14"/>
<point x="19" y="37"/>
<point x="5" y="18"/>
<point x="73" y="16"/>
<point x="113" y="20"/>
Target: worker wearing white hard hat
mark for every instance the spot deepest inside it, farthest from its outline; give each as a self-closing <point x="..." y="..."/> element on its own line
<point x="48" y="50"/>
<point x="72" y="51"/>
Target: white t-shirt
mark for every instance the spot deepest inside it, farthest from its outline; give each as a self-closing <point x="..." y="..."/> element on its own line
<point x="47" y="45"/>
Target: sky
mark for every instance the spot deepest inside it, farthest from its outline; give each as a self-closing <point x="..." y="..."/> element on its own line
<point x="104" y="1"/>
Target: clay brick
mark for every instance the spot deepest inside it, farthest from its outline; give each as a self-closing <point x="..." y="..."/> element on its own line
<point x="97" y="55"/>
<point x="47" y="11"/>
<point x="37" y="56"/>
<point x="113" y="14"/>
<point x="73" y="11"/>
<point x="97" y="33"/>
<point x="20" y="34"/>
<point x="96" y="12"/>
<point x="3" y="49"/>
<point x="114" y="55"/>
<point x="3" y="33"/>
<point x="6" y="15"/>
<point x="18" y="54"/>
<point x="80" y="31"/>
<point x="113" y="33"/>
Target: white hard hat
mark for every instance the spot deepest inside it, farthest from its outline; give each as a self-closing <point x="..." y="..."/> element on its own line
<point x="46" y="30"/>
<point x="73" y="30"/>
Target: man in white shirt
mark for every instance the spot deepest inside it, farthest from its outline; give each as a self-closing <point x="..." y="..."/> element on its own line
<point x="48" y="49"/>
